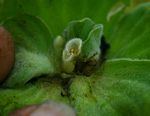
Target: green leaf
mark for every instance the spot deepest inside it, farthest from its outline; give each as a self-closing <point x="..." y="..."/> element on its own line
<point x="92" y="44"/>
<point x="135" y="3"/>
<point x="38" y="92"/>
<point x="32" y="46"/>
<point x="130" y="37"/>
<point x="121" y="87"/>
<point x="62" y="11"/>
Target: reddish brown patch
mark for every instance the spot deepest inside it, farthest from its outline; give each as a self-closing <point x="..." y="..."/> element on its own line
<point x="26" y="111"/>
<point x="45" y="109"/>
<point x="6" y="53"/>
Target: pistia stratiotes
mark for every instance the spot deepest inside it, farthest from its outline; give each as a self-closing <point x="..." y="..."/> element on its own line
<point x="121" y="87"/>
<point x="38" y="55"/>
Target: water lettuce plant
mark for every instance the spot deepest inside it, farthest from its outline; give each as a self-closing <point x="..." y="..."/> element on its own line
<point x="54" y="57"/>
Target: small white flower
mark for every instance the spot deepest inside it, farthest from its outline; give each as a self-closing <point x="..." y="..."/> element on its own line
<point x="71" y="51"/>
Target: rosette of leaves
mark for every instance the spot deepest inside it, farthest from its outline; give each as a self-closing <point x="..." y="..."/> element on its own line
<point x="37" y="55"/>
<point x="121" y="86"/>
